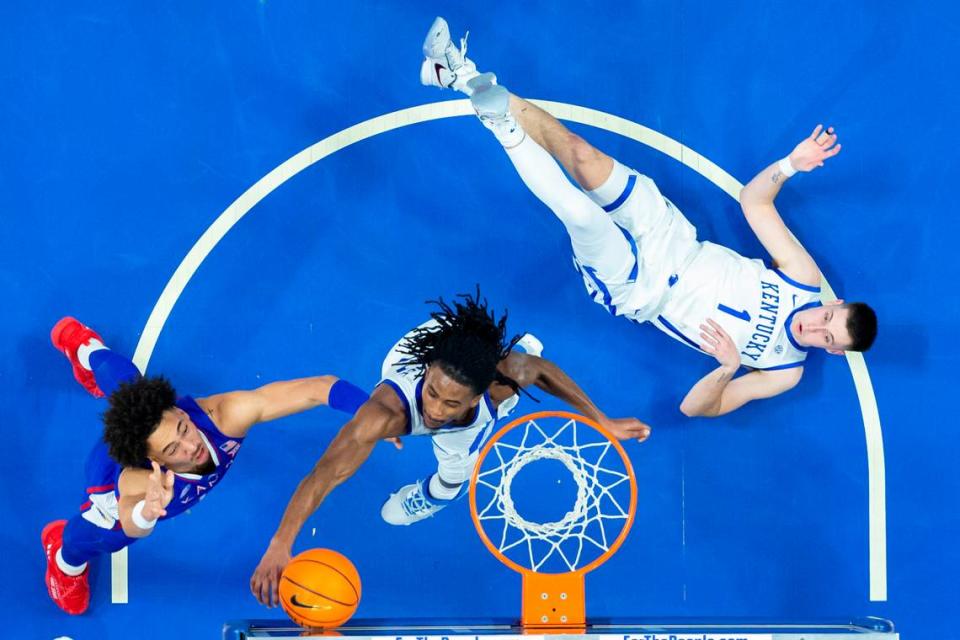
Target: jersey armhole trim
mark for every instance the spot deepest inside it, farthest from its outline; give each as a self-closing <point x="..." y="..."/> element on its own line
<point x="798" y="285"/>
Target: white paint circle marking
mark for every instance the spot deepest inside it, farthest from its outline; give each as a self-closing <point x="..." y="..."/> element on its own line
<point x="448" y="109"/>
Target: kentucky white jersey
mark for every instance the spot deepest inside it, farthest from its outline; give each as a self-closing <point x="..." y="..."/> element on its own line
<point x="754" y="305"/>
<point x="407" y="382"/>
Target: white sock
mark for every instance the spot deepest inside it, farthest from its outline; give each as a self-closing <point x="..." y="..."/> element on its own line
<point x="440" y="491"/>
<point x="84" y="351"/>
<point x="69" y="569"/>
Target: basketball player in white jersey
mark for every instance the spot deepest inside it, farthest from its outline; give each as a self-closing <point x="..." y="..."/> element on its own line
<point x="640" y="258"/>
<point x="451" y="379"/>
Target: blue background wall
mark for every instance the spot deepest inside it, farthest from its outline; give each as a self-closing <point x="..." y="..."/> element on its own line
<point x="127" y="128"/>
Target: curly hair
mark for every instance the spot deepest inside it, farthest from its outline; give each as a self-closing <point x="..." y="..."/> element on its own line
<point x="467" y="343"/>
<point x="135" y="412"/>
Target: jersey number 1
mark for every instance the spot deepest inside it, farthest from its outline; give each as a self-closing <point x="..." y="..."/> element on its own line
<point x="742" y="315"/>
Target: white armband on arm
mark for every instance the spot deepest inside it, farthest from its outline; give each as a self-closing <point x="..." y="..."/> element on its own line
<point x="138" y="519"/>
<point x="785" y="167"/>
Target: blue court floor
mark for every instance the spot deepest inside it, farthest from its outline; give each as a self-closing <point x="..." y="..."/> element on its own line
<point x="128" y="128"/>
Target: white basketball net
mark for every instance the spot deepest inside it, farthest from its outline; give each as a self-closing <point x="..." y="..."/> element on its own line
<point x="585" y="525"/>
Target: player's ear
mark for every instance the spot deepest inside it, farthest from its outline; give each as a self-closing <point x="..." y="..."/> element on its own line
<point x="835" y="352"/>
<point x="476" y="400"/>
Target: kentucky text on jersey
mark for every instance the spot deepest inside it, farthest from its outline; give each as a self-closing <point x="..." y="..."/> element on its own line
<point x="766" y="320"/>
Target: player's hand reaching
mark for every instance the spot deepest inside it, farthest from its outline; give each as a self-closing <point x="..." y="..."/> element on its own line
<point x="813" y="151"/>
<point x="627" y="428"/>
<point x="719" y="344"/>
<point x="266" y="578"/>
<point x="159" y="493"/>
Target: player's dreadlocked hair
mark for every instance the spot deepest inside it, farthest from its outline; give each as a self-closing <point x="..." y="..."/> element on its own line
<point x="135" y="412"/>
<point x="467" y="343"/>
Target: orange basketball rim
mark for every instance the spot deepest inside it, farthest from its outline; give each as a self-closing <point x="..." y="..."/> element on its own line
<point x="553" y="600"/>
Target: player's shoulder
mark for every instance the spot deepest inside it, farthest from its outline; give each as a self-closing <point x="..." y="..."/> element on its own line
<point x="385" y="414"/>
<point x="783" y="379"/>
<point x="519" y="367"/>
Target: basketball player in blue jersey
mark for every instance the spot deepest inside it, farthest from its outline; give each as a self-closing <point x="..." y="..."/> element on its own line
<point x="639" y="257"/>
<point x="451" y="379"/>
<point x="160" y="454"/>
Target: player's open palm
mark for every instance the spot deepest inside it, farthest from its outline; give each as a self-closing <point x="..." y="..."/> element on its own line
<point x="718" y="343"/>
<point x="265" y="582"/>
<point x="814" y="150"/>
<point x="159" y="493"/>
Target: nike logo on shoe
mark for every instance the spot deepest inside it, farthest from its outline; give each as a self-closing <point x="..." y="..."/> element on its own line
<point x="437" y="67"/>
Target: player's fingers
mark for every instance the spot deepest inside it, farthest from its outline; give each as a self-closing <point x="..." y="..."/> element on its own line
<point x="168" y="480"/>
<point x="156" y="469"/>
<point x="816" y="131"/>
<point x="707" y="349"/>
<point x="261" y="592"/>
<point x="721" y="333"/>
<point x="832" y="152"/>
<point x="710" y="340"/>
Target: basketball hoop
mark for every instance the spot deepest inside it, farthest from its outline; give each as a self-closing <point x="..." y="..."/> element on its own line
<point x="584" y="538"/>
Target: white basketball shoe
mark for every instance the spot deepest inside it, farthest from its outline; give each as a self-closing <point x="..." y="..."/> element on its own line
<point x="410" y="504"/>
<point x="445" y="65"/>
<point x="530" y="344"/>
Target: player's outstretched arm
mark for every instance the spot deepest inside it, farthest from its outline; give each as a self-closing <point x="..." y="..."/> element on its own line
<point x="719" y="392"/>
<point x="351" y="447"/>
<point x="756" y="200"/>
<point x="235" y="412"/>
<point x="704" y="400"/>
<point x="528" y="370"/>
<point x="144" y="497"/>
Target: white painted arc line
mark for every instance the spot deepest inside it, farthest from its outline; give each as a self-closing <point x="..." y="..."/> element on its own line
<point x="263" y="187"/>
<point x="438" y="110"/>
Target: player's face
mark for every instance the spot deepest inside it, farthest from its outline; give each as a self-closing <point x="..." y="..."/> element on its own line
<point x="824" y="327"/>
<point x="444" y="399"/>
<point x="176" y="444"/>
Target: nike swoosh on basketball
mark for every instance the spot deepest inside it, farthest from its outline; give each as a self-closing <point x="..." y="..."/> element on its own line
<point x="297" y="603"/>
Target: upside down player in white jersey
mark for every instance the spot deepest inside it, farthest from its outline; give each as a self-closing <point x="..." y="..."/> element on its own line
<point x="639" y="256"/>
<point x="451" y="378"/>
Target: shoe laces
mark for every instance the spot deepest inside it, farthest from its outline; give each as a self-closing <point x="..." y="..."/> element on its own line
<point x="455" y="58"/>
<point x="416" y="503"/>
<point x="67" y="586"/>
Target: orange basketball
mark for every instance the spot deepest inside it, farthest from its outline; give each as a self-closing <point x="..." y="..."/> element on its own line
<point x="320" y="588"/>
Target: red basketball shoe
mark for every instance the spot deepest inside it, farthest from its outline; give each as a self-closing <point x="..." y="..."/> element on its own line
<point x="67" y="336"/>
<point x="71" y="593"/>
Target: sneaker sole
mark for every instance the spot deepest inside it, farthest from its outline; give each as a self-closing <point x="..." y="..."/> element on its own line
<point x="490" y="101"/>
<point x="437" y="30"/>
